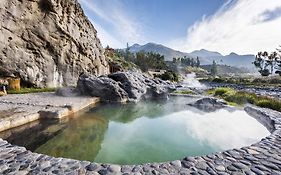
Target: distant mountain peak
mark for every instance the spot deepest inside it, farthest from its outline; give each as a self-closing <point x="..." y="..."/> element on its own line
<point x="151" y="43"/>
<point x="136" y="45"/>
<point x="168" y="53"/>
<point x="205" y="53"/>
<point x="154" y="45"/>
<point x="233" y="54"/>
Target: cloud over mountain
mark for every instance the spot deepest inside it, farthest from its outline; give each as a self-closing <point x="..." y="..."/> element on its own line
<point x="242" y="26"/>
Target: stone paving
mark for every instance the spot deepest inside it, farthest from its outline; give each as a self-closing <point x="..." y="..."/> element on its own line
<point x="17" y="110"/>
<point x="260" y="158"/>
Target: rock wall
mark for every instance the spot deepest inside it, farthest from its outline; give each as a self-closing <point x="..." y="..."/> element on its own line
<point x="49" y="43"/>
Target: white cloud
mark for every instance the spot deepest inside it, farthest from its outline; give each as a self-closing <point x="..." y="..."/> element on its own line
<point x="123" y="26"/>
<point x="242" y="26"/>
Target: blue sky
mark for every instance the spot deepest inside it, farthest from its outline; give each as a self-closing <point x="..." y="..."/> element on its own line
<point x="242" y="26"/>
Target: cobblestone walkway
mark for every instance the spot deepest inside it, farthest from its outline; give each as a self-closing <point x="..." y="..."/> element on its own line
<point x="260" y="158"/>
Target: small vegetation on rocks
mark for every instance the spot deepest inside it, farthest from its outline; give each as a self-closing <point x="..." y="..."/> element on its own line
<point x="241" y="97"/>
<point x="184" y="92"/>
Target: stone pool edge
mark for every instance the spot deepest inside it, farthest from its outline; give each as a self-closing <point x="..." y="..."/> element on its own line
<point x="263" y="157"/>
<point x="48" y="110"/>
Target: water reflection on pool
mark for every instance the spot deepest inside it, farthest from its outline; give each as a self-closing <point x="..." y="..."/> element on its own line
<point x="149" y="132"/>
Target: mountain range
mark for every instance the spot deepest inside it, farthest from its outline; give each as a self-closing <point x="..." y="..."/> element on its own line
<point x="206" y="57"/>
<point x="168" y="53"/>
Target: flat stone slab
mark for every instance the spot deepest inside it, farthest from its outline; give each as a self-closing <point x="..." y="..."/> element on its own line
<point x="260" y="158"/>
<point x="13" y="115"/>
<point x="17" y="110"/>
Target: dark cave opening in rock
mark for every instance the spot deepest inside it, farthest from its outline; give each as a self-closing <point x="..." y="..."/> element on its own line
<point x="46" y="6"/>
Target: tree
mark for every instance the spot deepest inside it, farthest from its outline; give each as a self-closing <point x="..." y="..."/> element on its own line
<point x="150" y="60"/>
<point x="127" y="52"/>
<point x="141" y="61"/>
<point x="197" y="62"/>
<point x="268" y="63"/>
<point x="192" y="62"/>
<point x="214" y="69"/>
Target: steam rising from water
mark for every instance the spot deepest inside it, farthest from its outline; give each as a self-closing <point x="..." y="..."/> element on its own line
<point x="190" y="81"/>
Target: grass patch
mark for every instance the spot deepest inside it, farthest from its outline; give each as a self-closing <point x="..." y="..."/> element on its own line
<point x="241" y="97"/>
<point x="269" y="103"/>
<point x="232" y="103"/>
<point x="184" y="92"/>
<point x="31" y="90"/>
<point x="221" y="92"/>
<point x="234" y="97"/>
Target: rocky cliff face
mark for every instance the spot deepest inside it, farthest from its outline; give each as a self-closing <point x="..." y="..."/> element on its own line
<point x="49" y="43"/>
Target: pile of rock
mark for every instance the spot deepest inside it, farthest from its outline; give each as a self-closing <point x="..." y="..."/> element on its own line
<point x="122" y="87"/>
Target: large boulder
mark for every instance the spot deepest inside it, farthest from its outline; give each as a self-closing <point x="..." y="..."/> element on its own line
<point x="209" y="104"/>
<point x="157" y="92"/>
<point x="122" y="87"/>
<point x="132" y="83"/>
<point x="49" y="43"/>
<point x="103" y="87"/>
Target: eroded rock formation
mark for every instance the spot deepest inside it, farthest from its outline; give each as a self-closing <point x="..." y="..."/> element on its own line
<point x="49" y="43"/>
<point x="123" y="87"/>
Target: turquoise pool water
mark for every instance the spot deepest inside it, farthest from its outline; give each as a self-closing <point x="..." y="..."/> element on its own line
<point x="149" y="132"/>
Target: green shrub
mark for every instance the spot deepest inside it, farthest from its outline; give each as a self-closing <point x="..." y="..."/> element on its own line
<point x="270" y="103"/>
<point x="221" y="92"/>
<point x="241" y="97"/>
<point x="186" y="92"/>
